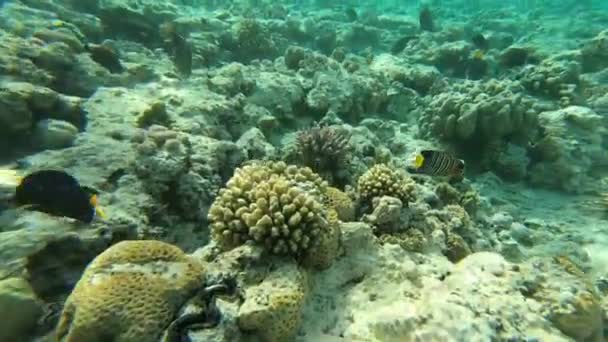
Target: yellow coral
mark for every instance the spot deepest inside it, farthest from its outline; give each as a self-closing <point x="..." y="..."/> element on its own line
<point x="130" y="292"/>
<point x="341" y="202"/>
<point x="275" y="205"/>
<point x="383" y="180"/>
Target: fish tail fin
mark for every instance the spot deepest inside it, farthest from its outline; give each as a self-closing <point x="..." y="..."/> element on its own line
<point x="101" y="213"/>
<point x="9" y="178"/>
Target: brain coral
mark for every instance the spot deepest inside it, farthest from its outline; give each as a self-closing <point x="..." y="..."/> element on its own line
<point x="271" y="204"/>
<point x="131" y="292"/>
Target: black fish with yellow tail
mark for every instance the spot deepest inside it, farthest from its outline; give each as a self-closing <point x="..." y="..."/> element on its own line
<point x="53" y="192"/>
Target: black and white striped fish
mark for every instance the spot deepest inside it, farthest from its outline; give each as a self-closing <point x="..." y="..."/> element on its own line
<point x="438" y="163"/>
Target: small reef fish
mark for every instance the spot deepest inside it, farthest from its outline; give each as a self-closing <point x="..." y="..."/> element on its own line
<point x="477" y="66"/>
<point x="437" y="163"/>
<point x="425" y="19"/>
<point x="53" y="192"/>
<point x="105" y="56"/>
<point x="179" y="48"/>
<point x="480" y="42"/>
<point x="401" y="43"/>
<point x="351" y="14"/>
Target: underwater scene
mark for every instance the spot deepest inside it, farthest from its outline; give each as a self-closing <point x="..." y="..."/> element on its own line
<point x="303" y="171"/>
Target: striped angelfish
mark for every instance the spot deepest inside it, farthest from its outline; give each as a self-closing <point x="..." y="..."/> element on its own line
<point x="438" y="163"/>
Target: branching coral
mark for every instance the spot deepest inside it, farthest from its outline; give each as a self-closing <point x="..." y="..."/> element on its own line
<point x="325" y="149"/>
<point x="273" y="205"/>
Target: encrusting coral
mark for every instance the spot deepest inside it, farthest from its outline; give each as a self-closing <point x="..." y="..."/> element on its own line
<point x="576" y="311"/>
<point x="271" y="204"/>
<point x="341" y="203"/>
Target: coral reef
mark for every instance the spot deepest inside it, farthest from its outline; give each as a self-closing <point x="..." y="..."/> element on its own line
<point x="594" y="52"/>
<point x="183" y="187"/>
<point x="280" y="164"/>
<point x="386" y="214"/>
<point x="130" y="292"/>
<point x="251" y="40"/>
<point x="54" y="119"/>
<point x="341" y="203"/>
<point x="578" y="314"/>
<point x="559" y="79"/>
<point x="18" y="298"/>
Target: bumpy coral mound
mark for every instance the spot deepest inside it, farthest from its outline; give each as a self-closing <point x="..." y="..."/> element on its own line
<point x="479" y="111"/>
<point x="553" y="78"/>
<point x="272" y="308"/>
<point x="595" y="52"/>
<point x="130" y="292"/>
<point x="383" y="180"/>
<point x="271" y="204"/>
